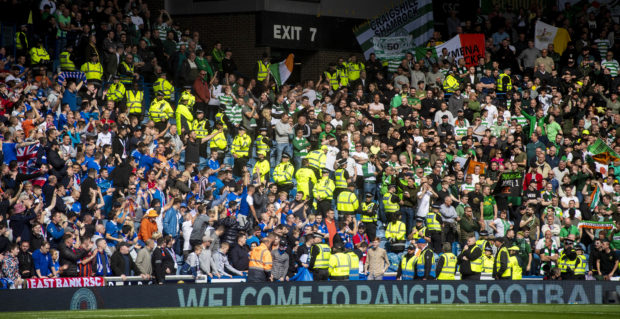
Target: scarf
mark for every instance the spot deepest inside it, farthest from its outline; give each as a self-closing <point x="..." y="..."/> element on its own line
<point x="100" y="265"/>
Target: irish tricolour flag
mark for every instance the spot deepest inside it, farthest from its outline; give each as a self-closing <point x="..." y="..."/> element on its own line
<point x="281" y="71"/>
<point x="468" y="46"/>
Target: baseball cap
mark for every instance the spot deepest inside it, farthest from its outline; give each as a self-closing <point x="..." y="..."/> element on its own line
<point x="421" y="241"/>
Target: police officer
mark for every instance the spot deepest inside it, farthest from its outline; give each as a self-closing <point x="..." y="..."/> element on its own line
<point x="482" y="241"/>
<point x="262" y="142"/>
<point x="160" y="111"/>
<point x="189" y="97"/>
<point x="501" y="269"/>
<point x="568" y="263"/>
<point x="419" y="231"/>
<point x="395" y="233"/>
<point x="66" y="59"/>
<point x="341" y="177"/>
<point x="470" y="260"/>
<point x="316" y="160"/>
<point x="241" y="151"/>
<point x="117" y="91"/>
<point x="283" y="174"/>
<point x="162" y="84"/>
<point x="262" y="166"/>
<point x="339" y="264"/>
<point x="504" y="86"/>
<point x="580" y="267"/>
<point x="450" y="84"/>
<point x="93" y="70"/>
<point x="305" y="179"/>
<point x="433" y="228"/>
<point x="218" y="142"/>
<point x="184" y="117"/>
<point x="391" y="202"/>
<point x="406" y="268"/>
<point x="134" y="99"/>
<point x="324" y="193"/>
<point x="446" y="266"/>
<point x="514" y="263"/>
<point x="347" y="203"/>
<point x="39" y="56"/>
<point x="488" y="261"/>
<point x="331" y="76"/>
<point x="262" y="68"/>
<point x="354" y="271"/>
<point x="425" y="264"/>
<point x="369" y="215"/>
<point x="320" y="254"/>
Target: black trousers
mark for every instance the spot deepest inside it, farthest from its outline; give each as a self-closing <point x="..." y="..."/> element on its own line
<point x="435" y="241"/>
<point x="161" y="125"/>
<point x="239" y="164"/>
<point x="475" y="276"/>
<point x="320" y="274"/>
<point x="371" y="230"/>
<point x="323" y="206"/>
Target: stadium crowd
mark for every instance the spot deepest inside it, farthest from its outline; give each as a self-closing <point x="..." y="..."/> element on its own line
<point x="420" y="169"/>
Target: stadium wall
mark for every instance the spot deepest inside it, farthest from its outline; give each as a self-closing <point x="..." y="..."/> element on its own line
<point x="310" y="293"/>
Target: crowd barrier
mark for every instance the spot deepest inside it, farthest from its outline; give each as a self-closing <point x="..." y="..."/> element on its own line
<point x="311" y="293"/>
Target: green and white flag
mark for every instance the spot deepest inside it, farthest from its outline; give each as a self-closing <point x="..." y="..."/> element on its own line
<point x="392" y="49"/>
<point x="410" y="17"/>
<point x="281" y="71"/>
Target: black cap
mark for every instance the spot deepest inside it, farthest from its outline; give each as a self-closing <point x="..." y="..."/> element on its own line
<point x="368" y="194"/>
<point x="317" y="235"/>
<point x="187" y="87"/>
<point x="263" y="129"/>
<point x="325" y="170"/>
<point x="201" y="111"/>
<point x="286" y="155"/>
<point x="419" y="219"/>
<point x="351" y="185"/>
<point x="435" y="206"/>
<point x="160" y="93"/>
<point x="484" y="233"/>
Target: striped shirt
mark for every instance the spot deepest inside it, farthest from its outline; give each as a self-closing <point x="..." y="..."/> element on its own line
<point x="603" y="46"/>
<point x="612" y="66"/>
<point x="234" y="114"/>
<point x="226" y="100"/>
<point x="163" y="31"/>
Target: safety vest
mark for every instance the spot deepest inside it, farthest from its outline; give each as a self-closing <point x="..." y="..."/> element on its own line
<point x="183" y="113"/>
<point x="450" y="84"/>
<point x="408" y="267"/>
<point x="515" y="268"/>
<point x="421" y="260"/>
<point x="116" y="92"/>
<point x="217" y="142"/>
<point x="565" y="264"/>
<point x="354" y="70"/>
<point x="316" y="159"/>
<point x="343" y="76"/>
<point x="160" y="111"/>
<point x="260" y="259"/>
<point x="388" y="206"/>
<point x="164" y="86"/>
<point x="134" y="101"/>
<point x="190" y="98"/>
<point x="354" y="271"/>
<point x="449" y="267"/>
<point x="340" y="180"/>
<point x="324" y="189"/>
<point x="241" y="145"/>
<point x="500" y="83"/>
<point x="38" y="54"/>
<point x="482" y="243"/>
<point x="283" y="173"/>
<point x="219" y="117"/>
<point x="65" y="62"/>
<point x="347" y="202"/>
<point x="304" y="176"/>
<point x="339" y="265"/>
<point x="322" y="259"/>
<point x="508" y="272"/>
<point x="263" y="70"/>
<point x="396" y="230"/>
<point x="581" y="268"/>
<point x="370" y="208"/>
<point x="263" y="167"/>
<point x="261" y="145"/>
<point x="93" y="71"/>
<point x="127" y="79"/>
<point x="431" y="222"/>
<point x="476" y="265"/>
<point x="200" y="127"/>
<point x="18" y="42"/>
<point x="421" y="233"/>
<point x="332" y="78"/>
<point x="487" y="264"/>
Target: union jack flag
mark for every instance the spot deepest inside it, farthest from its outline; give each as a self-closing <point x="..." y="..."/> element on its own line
<point x="27" y="162"/>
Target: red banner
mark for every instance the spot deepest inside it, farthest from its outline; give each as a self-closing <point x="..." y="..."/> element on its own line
<point x="65" y="282"/>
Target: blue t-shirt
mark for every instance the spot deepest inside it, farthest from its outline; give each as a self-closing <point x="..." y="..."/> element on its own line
<point x="112" y="229"/>
<point x="71" y="99"/>
<point x="214" y="165"/>
<point x="10" y="152"/>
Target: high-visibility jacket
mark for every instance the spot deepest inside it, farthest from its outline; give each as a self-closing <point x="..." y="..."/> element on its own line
<point x="316" y="159"/>
<point x="322" y="259"/>
<point x="219" y="117"/>
<point x="304" y="176"/>
<point x="343" y="76"/>
<point x="482" y="243"/>
<point x="283" y="173"/>
<point x="134" y="100"/>
<point x="191" y="99"/>
<point x="500" y="83"/>
<point x="340" y="180"/>
<point x="369" y="208"/>
<point x="126" y="78"/>
<point x="515" y="268"/>
<point x="449" y="266"/>
<point x="487" y="264"/>
<point x="581" y="268"/>
<point x="65" y="61"/>
<point x="116" y="92"/>
<point x="218" y="141"/>
<point x="18" y="41"/>
<point x="263" y="167"/>
<point x="431" y="222"/>
<point x="160" y="111"/>
<point x="421" y="233"/>
<point x="408" y="267"/>
<point x="339" y="265"/>
<point x="476" y="264"/>
<point x="420" y="263"/>
<point x="183" y="115"/>
<point x="354" y="271"/>
<point x="347" y="202"/>
<point x="396" y="230"/>
<point x="241" y="145"/>
<point x="332" y="78"/>
<point x="324" y="189"/>
<point x="450" y="84"/>
<point x="565" y="264"/>
<point x="200" y="127"/>
<point x="388" y="206"/>
<point x="508" y="272"/>
<point x="163" y="85"/>
<point x="38" y="55"/>
<point x="354" y="70"/>
<point x="263" y="70"/>
<point x="260" y="258"/>
<point x="93" y="71"/>
<point x="261" y="145"/>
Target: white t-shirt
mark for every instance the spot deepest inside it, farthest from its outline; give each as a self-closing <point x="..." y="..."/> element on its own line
<point x="492" y="113"/>
<point x="187" y="231"/>
<point x="424" y="204"/>
<point x="566" y="199"/>
<point x="330" y="157"/>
